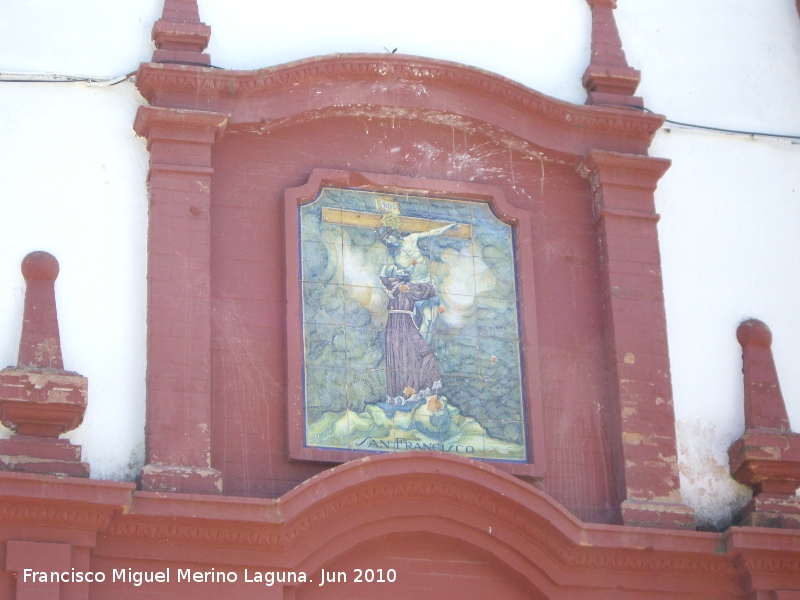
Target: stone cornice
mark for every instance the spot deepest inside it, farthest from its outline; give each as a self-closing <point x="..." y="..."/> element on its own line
<point x="67" y="489"/>
<point x="150" y="117"/>
<point x="51" y="501"/>
<point x="153" y="79"/>
<point x="369" y="494"/>
<point x="608" y="169"/>
<point x="277" y="536"/>
<point x="351" y="491"/>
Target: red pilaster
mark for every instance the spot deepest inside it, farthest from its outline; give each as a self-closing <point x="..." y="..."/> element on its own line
<point x="179" y="326"/>
<point x="636" y="337"/>
<point x="179" y="35"/>
<point x="608" y="78"/>
<point x="40" y="557"/>
<point x="767" y="456"/>
<point x="51" y="525"/>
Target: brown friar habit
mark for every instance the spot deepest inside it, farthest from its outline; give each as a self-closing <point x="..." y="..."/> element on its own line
<point x="410" y="361"/>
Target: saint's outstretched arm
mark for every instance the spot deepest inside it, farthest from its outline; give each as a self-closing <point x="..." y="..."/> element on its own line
<point x="438" y="230"/>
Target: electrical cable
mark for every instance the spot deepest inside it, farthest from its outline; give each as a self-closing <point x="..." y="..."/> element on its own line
<point x="10" y="77"/>
<point x="185" y="62"/>
<point x="719" y="129"/>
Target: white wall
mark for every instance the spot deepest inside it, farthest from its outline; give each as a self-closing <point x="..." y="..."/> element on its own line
<point x="730" y="212"/>
<point x="73" y="184"/>
<point x="540" y="43"/>
<point x="73" y="176"/>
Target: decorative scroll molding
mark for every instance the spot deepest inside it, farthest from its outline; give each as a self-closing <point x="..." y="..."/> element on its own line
<point x="771" y="565"/>
<point x="55" y="515"/>
<point x="195" y="534"/>
<point x="153" y="78"/>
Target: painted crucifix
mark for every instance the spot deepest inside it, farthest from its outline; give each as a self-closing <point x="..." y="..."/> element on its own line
<point x="409" y="334"/>
<point x="402" y="235"/>
<point x="412" y="370"/>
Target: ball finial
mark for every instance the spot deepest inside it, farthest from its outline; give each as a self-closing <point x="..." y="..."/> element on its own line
<point x="40" y="265"/>
<point x="753" y="332"/>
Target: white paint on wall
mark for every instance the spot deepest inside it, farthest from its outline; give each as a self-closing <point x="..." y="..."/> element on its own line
<point x="540" y="43"/>
<point x="730" y="210"/>
<point x="730" y="213"/>
<point x="73" y="184"/>
<point x="85" y="37"/>
<point x="726" y="63"/>
<point x="73" y="177"/>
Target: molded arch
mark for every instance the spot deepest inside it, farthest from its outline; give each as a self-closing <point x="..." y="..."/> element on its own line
<point x="449" y="497"/>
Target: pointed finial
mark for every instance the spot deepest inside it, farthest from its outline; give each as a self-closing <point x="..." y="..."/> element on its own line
<point x="608" y="78"/>
<point x="179" y="35"/>
<point x="39" y="400"/>
<point x="767" y="456"/>
<point x="764" y="407"/>
<point x="40" y="344"/>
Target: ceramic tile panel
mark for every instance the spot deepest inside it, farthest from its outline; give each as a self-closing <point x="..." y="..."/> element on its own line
<point x="411" y="332"/>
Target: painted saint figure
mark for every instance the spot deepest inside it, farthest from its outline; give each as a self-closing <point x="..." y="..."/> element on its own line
<point x="408" y="256"/>
<point x="412" y="371"/>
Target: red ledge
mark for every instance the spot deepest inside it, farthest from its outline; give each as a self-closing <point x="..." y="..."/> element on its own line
<point x="627" y="214"/>
<point x="185" y="36"/>
<point x="56" y="503"/>
<point x="148" y="117"/>
<point x="206" y="507"/>
<point x="759" y="538"/>
<point x="619" y="168"/>
<point x="153" y="80"/>
<point x="50" y="488"/>
<point x="42" y="402"/>
<point x="766" y="455"/>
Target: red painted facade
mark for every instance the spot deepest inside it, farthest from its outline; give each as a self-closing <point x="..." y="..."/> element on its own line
<point x="228" y="487"/>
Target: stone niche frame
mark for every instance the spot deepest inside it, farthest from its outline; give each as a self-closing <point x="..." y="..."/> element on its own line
<point x="199" y="116"/>
<point x="526" y="303"/>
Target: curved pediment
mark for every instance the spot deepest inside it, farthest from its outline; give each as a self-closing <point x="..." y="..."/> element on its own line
<point x="356" y="81"/>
